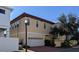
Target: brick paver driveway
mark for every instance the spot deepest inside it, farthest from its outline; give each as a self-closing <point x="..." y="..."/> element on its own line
<point x="52" y="49"/>
<point x="46" y="49"/>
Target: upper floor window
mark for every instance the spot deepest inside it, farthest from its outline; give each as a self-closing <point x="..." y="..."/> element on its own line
<point x="44" y="25"/>
<point x="11" y="27"/>
<point x="2" y="11"/>
<point x="28" y="21"/>
<point x="51" y="28"/>
<point x="36" y="23"/>
<point x="17" y="25"/>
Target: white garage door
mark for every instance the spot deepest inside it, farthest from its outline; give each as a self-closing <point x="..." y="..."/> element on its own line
<point x="35" y="42"/>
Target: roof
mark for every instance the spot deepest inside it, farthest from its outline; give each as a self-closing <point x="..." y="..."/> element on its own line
<point x="58" y="25"/>
<point x="28" y="15"/>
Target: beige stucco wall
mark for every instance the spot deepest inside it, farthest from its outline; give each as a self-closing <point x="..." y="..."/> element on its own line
<point x="33" y="31"/>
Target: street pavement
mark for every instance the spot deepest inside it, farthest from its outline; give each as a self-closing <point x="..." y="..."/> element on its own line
<point x="52" y="49"/>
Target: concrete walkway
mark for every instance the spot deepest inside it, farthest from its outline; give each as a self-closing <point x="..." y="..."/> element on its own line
<point x="27" y="50"/>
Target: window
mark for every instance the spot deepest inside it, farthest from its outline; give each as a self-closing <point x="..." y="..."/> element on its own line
<point x="28" y="21"/>
<point x="12" y="26"/>
<point x="51" y="28"/>
<point x="44" y="25"/>
<point x="36" y="23"/>
<point x="17" y="25"/>
<point x="2" y="11"/>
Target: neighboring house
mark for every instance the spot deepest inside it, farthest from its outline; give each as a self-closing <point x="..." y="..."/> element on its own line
<point x="37" y="29"/>
<point x="7" y="44"/>
<point x="4" y="20"/>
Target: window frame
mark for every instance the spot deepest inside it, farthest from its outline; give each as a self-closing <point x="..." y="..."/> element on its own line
<point x="44" y="25"/>
<point x="28" y="21"/>
<point x="2" y="11"/>
<point x="37" y="24"/>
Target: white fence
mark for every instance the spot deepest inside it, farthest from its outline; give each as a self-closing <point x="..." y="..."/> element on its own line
<point x="8" y="44"/>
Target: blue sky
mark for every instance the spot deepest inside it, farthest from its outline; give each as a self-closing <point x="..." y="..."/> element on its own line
<point x="47" y="12"/>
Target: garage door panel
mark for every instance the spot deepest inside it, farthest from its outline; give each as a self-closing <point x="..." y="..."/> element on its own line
<point x="35" y="42"/>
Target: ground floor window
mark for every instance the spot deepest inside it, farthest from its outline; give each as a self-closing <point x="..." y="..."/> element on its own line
<point x="3" y="32"/>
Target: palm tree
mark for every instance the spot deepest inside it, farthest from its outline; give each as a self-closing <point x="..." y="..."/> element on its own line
<point x="72" y="24"/>
<point x="63" y="20"/>
<point x="69" y="24"/>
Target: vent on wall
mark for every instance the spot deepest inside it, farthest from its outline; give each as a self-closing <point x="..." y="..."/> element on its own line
<point x="2" y="11"/>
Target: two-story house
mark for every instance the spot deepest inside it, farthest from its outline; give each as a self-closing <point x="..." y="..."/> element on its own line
<point x="37" y="29"/>
<point x="4" y="20"/>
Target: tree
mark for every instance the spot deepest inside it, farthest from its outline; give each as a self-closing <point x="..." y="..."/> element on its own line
<point x="69" y="26"/>
<point x="72" y="24"/>
<point x="63" y="20"/>
<point x="55" y="32"/>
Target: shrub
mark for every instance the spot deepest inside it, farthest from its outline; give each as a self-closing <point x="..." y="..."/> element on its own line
<point x="20" y="47"/>
<point x="53" y="43"/>
<point x="28" y="46"/>
<point x="66" y="44"/>
<point x="24" y="46"/>
<point x="69" y="43"/>
<point x="78" y="42"/>
<point x="47" y="43"/>
<point x="73" y="42"/>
